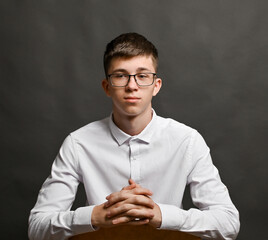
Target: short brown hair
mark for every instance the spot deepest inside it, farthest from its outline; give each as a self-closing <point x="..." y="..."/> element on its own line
<point x="129" y="45"/>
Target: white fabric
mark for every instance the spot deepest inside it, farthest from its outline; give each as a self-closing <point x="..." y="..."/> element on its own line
<point x="164" y="157"/>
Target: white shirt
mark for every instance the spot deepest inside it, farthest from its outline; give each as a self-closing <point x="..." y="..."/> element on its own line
<point x="164" y="157"/>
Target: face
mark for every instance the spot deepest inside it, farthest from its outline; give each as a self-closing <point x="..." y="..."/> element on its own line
<point x="132" y="100"/>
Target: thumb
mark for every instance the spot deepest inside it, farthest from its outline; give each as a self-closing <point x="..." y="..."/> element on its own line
<point x="132" y="182"/>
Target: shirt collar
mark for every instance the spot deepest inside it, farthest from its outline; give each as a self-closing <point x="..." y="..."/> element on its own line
<point x="145" y="136"/>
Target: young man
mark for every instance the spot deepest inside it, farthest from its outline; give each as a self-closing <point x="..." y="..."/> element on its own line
<point x="134" y="164"/>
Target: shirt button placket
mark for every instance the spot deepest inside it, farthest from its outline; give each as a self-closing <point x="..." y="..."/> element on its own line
<point x="134" y="160"/>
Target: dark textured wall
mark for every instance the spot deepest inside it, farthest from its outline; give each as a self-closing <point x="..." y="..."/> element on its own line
<point x="213" y="62"/>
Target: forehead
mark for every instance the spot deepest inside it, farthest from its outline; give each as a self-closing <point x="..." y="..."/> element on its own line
<point x="132" y="64"/>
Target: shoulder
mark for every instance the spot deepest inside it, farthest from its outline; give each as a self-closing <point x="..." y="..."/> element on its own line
<point x="172" y="126"/>
<point x="97" y="127"/>
<point x="179" y="133"/>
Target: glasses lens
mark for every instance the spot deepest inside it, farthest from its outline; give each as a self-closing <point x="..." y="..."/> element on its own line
<point x="145" y="79"/>
<point x="119" y="80"/>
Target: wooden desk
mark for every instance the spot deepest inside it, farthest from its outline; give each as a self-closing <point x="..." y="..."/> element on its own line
<point x="144" y="232"/>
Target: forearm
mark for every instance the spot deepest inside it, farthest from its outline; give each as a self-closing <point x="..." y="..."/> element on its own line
<point x="218" y="223"/>
<point x="59" y="225"/>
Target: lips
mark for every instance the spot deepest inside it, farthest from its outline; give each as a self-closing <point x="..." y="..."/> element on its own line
<point x="132" y="99"/>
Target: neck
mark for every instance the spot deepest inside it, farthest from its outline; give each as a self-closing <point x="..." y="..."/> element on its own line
<point x="132" y="125"/>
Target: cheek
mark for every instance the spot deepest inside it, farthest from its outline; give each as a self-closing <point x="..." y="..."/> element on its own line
<point x="116" y="95"/>
<point x="148" y="97"/>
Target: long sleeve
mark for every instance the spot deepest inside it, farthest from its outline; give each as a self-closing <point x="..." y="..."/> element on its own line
<point x="103" y="158"/>
<point x="216" y="216"/>
<point x="51" y="217"/>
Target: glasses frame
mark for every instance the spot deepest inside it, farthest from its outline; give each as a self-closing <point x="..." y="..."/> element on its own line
<point x="134" y="75"/>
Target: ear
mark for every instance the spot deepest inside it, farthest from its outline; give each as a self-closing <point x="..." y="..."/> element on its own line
<point x="106" y="87"/>
<point x="157" y="86"/>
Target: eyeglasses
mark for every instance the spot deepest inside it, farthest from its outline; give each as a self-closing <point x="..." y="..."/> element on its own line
<point x="122" y="80"/>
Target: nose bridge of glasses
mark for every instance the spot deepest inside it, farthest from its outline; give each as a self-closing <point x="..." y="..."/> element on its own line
<point x="134" y="78"/>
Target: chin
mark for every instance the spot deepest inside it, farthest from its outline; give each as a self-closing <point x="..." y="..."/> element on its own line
<point x="131" y="110"/>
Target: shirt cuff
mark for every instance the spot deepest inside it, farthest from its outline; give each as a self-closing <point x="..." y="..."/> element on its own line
<point x="172" y="217"/>
<point x="82" y="220"/>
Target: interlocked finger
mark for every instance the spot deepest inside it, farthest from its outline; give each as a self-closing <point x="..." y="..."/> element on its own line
<point x="126" y="194"/>
<point x="132" y="210"/>
<point x="123" y="220"/>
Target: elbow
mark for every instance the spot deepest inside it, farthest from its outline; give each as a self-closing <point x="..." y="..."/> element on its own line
<point x="37" y="227"/>
<point x="33" y="228"/>
<point x="235" y="225"/>
<point x="227" y="225"/>
<point x="232" y="226"/>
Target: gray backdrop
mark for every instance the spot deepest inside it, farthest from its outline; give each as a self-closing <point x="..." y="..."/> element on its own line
<point x="213" y="62"/>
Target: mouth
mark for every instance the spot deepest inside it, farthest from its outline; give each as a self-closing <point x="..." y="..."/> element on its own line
<point x="132" y="99"/>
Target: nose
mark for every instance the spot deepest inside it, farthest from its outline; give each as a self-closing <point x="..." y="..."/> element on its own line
<point x="132" y="83"/>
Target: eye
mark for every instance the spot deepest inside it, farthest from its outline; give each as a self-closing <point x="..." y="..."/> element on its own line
<point x="142" y="75"/>
<point x="119" y="76"/>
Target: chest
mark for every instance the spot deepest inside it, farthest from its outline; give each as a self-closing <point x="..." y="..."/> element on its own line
<point x="107" y="168"/>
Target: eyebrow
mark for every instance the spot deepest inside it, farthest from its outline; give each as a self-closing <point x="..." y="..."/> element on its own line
<point x="119" y="70"/>
<point x="143" y="69"/>
<point x="125" y="71"/>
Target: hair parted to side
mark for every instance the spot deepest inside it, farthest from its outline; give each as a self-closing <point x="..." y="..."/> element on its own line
<point x="129" y="45"/>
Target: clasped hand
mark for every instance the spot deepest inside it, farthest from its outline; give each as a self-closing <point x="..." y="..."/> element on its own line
<point x="130" y="206"/>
